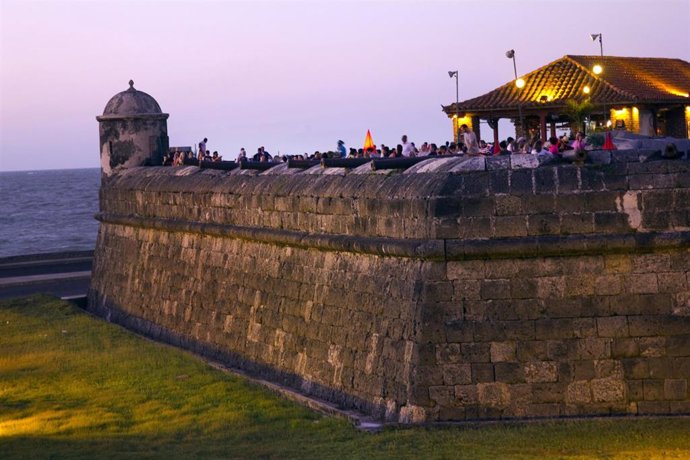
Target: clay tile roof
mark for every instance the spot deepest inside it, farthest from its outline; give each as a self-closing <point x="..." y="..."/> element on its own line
<point x="625" y="80"/>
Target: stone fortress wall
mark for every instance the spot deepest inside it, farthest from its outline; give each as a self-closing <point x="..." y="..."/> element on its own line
<point x="457" y="289"/>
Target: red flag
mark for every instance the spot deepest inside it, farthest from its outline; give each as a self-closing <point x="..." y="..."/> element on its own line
<point x="368" y="142"/>
<point x="608" y="142"/>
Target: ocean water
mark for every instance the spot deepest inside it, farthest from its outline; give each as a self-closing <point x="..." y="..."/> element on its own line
<point x="48" y="211"/>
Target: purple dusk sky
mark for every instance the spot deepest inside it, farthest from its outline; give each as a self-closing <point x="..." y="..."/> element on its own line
<point x="292" y="76"/>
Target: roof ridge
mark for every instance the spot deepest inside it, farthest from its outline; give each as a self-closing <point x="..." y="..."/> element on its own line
<point x="637" y="58"/>
<point x="599" y="79"/>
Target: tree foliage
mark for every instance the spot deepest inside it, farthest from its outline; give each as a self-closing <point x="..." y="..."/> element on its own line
<point x="578" y="112"/>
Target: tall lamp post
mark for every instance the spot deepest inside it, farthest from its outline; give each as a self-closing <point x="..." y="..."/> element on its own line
<point x="451" y="74"/>
<point x="519" y="83"/>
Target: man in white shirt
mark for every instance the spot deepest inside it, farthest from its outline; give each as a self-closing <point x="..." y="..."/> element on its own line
<point x="408" y="147"/>
<point x="470" y="140"/>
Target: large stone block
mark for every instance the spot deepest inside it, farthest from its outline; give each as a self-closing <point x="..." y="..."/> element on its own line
<point x="507" y="372"/>
<point x="524" y="161"/>
<point x="579" y="392"/>
<point x="612" y="326"/>
<point x="544" y="371"/>
<point x="457" y="374"/>
<point x="502" y="351"/>
<point x="675" y="389"/>
<point x="608" y="390"/>
<point x="493" y="395"/>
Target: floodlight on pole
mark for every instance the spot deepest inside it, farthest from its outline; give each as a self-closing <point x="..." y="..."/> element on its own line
<point x="519" y="82"/>
<point x="451" y="74"/>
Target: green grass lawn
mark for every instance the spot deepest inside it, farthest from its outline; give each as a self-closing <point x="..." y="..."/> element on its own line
<point x="73" y="386"/>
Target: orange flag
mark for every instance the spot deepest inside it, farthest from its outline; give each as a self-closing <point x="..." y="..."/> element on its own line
<point x="368" y="142"/>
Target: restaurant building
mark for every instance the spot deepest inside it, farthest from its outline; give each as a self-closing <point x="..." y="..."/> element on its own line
<point x="648" y="96"/>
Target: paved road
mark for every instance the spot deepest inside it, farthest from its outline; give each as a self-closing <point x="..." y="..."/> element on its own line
<point x="62" y="275"/>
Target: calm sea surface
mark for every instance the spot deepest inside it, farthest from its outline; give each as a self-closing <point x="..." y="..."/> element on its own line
<point x="48" y="211"/>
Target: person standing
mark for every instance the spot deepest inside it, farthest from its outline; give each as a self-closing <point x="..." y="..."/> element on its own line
<point x="342" y="151"/>
<point x="470" y="140"/>
<point x="202" y="149"/>
<point x="408" y="149"/>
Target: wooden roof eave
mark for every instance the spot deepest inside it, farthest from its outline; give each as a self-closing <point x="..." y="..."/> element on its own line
<point x="510" y="111"/>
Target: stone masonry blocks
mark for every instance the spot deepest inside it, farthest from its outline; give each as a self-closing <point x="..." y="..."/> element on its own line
<point x="548" y="291"/>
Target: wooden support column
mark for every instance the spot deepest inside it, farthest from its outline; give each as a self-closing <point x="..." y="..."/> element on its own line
<point x="553" y="129"/>
<point x="542" y="126"/>
<point x="493" y="124"/>
<point x="475" y="127"/>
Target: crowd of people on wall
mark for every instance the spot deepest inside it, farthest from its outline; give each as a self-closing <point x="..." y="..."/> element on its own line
<point x="467" y="145"/>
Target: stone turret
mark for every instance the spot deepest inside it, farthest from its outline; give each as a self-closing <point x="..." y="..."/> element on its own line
<point x="133" y="131"/>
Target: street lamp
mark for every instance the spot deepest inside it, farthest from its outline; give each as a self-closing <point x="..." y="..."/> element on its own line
<point x="519" y="83"/>
<point x="451" y="74"/>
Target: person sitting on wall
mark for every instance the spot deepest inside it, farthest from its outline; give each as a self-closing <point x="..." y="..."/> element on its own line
<point x="504" y="147"/>
<point x="554" y="145"/>
<point x="242" y="156"/>
<point x="424" y="149"/>
<point x="563" y="143"/>
<point x="216" y="158"/>
<point x="262" y="155"/>
<point x="484" y="149"/>
<point x="522" y="146"/>
<point x="511" y="146"/>
<point x="579" y="143"/>
<point x="538" y="149"/>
